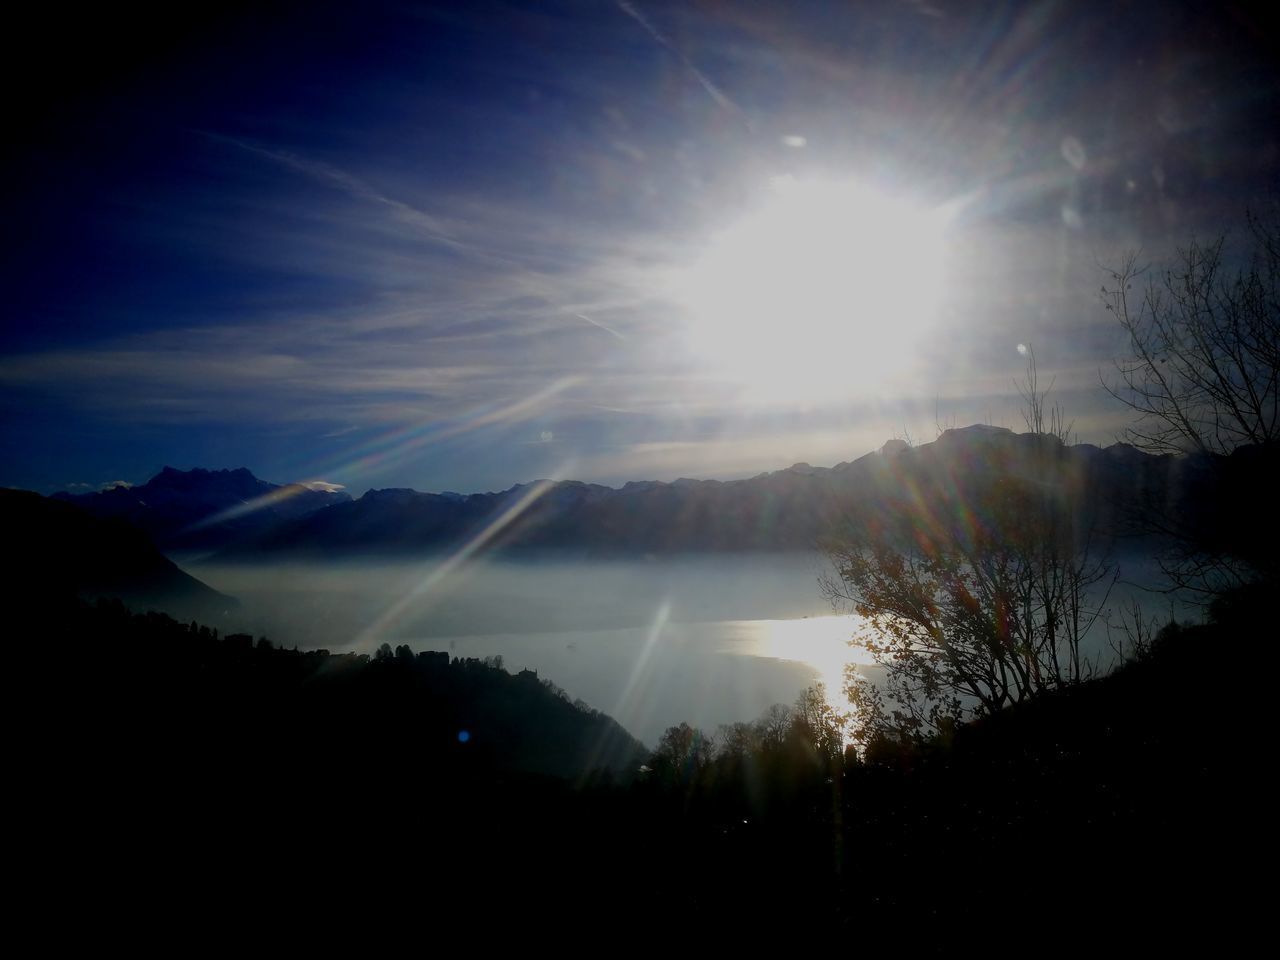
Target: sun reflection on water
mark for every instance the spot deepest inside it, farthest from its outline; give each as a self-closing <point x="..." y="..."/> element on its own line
<point x="819" y="642"/>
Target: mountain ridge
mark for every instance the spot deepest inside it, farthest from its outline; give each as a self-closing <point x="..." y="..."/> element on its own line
<point x="234" y="516"/>
<point x="794" y="508"/>
<point x="202" y="509"/>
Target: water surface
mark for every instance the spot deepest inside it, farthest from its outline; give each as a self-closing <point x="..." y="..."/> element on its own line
<point x="707" y="640"/>
<point x="652" y="643"/>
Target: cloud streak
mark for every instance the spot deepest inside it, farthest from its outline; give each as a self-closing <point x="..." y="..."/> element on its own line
<point x="432" y="227"/>
<point x="716" y="94"/>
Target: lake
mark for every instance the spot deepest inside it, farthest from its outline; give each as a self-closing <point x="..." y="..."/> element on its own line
<point x="652" y="643"/>
<point x="707" y="640"/>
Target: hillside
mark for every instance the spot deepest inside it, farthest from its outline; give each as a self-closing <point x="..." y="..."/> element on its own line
<point x="398" y="717"/>
<point x="56" y="550"/>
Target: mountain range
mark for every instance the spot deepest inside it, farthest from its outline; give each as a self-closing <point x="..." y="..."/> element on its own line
<point x="106" y="543"/>
<point x="786" y="510"/>
<point x="203" y="510"/>
<point x="232" y="515"/>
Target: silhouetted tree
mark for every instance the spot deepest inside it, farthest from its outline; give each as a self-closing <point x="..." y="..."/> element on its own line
<point x="772" y="727"/>
<point x="1202" y="373"/>
<point x="682" y="753"/>
<point x="973" y="597"/>
<point x="1203" y="364"/>
<point x="819" y="725"/>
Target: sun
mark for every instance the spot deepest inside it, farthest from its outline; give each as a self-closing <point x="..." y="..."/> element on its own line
<point x="825" y="290"/>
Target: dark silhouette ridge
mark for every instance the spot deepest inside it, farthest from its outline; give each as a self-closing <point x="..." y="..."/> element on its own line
<point x="792" y="509"/>
<point x="1117" y="488"/>
<point x="56" y="550"/>
<point x="204" y="509"/>
<point x="226" y="691"/>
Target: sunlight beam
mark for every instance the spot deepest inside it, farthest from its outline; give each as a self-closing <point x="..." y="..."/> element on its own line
<point x="440" y="573"/>
<point x="268" y="499"/>
<point x="630" y="692"/>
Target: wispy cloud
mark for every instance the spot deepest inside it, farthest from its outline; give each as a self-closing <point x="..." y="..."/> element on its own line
<point x="432" y="227"/>
<point x="340" y="432"/>
<point x="605" y="327"/>
<point x="713" y="91"/>
<point x="427" y="339"/>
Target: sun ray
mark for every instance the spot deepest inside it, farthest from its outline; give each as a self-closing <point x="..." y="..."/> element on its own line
<point x="440" y="572"/>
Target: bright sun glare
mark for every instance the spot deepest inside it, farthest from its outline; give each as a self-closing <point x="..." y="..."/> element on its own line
<point x="825" y="290"/>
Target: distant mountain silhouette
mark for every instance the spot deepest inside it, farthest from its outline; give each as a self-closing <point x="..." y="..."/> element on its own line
<point x="56" y="550"/>
<point x="791" y="509"/>
<point x="205" y="509"/>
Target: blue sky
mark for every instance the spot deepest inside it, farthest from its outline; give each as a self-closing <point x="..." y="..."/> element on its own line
<point x="431" y="245"/>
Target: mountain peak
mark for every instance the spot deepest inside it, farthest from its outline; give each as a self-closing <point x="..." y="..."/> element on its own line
<point x="977" y="430"/>
<point x="200" y="508"/>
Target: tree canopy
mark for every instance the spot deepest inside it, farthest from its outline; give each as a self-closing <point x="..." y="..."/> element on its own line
<point x="1202" y="374"/>
<point x="974" y="594"/>
<point x="1202" y="367"/>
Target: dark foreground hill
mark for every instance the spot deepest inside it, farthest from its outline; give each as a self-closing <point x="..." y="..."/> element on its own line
<point x="316" y="725"/>
<point x="205" y="509"/>
<point x="56" y="551"/>
<point x="164" y="769"/>
<point x="1134" y="794"/>
<point x="245" y="785"/>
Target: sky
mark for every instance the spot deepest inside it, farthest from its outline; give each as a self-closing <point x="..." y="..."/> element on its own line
<point x="458" y="246"/>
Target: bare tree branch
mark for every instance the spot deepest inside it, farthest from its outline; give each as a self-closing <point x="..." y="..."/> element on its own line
<point x="1203" y="364"/>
